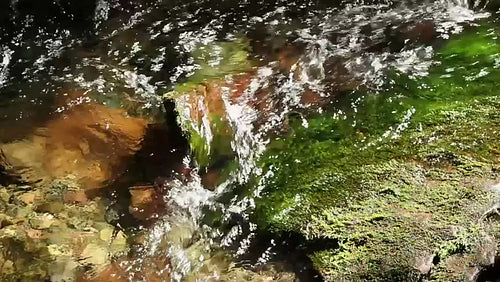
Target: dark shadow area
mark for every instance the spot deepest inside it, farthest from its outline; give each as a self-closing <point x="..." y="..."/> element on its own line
<point x="159" y="160"/>
<point x="290" y="249"/>
<point x="75" y="15"/>
<point x="490" y="273"/>
<point x="6" y="176"/>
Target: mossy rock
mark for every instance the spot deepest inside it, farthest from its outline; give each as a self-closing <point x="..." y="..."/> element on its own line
<point x="199" y="100"/>
<point x="214" y="61"/>
<point x="400" y="182"/>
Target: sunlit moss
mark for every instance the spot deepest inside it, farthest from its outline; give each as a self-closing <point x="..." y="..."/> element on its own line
<point x="391" y="179"/>
<point x="214" y="62"/>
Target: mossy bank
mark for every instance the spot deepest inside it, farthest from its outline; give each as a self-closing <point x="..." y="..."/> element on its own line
<point x="402" y="180"/>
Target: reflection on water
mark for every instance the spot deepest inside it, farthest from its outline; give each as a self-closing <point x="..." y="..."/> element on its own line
<point x="92" y="146"/>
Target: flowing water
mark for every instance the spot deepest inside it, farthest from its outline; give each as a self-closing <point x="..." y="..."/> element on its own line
<point x="96" y="91"/>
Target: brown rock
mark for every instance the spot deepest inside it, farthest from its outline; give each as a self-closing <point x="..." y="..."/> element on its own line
<point x="50" y="207"/>
<point x="141" y="195"/>
<point x="5" y="220"/>
<point x="28" y="198"/>
<point x="89" y="141"/>
<point x="152" y="270"/>
<point x="34" y="233"/>
<point x="423" y="32"/>
<point x="211" y="179"/>
<point x="288" y="57"/>
<point x="72" y="197"/>
<point x="92" y="142"/>
<point x="145" y="202"/>
<point x="112" y="273"/>
<point x="310" y="97"/>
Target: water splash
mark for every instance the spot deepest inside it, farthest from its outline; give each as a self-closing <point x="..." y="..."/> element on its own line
<point x="4" y="65"/>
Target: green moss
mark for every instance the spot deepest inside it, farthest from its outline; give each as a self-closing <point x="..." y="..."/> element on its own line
<point x="480" y="42"/>
<point x="392" y="179"/>
<point x="467" y="66"/>
<point x="214" y="62"/>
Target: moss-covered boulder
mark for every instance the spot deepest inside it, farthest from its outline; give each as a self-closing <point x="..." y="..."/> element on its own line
<point x="400" y="180"/>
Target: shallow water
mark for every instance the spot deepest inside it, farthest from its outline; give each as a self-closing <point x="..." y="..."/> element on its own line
<point x="102" y="93"/>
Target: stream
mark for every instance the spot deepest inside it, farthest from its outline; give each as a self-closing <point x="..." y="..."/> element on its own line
<point x="133" y="132"/>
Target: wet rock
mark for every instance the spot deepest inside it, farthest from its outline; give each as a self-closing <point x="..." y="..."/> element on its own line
<point x="116" y="240"/>
<point x="49" y="207"/>
<point x="493" y="6"/>
<point x="63" y="269"/>
<point x="79" y="143"/>
<point x="146" y="202"/>
<point x="219" y="267"/>
<point x="112" y="273"/>
<point x="204" y="114"/>
<point x="141" y="196"/>
<point x="156" y="270"/>
<point x="5" y="220"/>
<point x="420" y="196"/>
<point x="42" y="221"/>
<point x="211" y="179"/>
<point x="28" y="198"/>
<point x="95" y="255"/>
<point x="89" y="142"/>
<point x="7" y="174"/>
<point x="65" y="240"/>
<point x="200" y="100"/>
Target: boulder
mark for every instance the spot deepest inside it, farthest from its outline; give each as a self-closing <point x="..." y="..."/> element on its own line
<point x="90" y="142"/>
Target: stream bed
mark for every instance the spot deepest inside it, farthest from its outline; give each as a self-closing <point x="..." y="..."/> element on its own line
<point x="252" y="140"/>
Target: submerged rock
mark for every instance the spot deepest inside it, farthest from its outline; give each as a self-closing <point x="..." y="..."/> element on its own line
<point x="40" y="242"/>
<point x="89" y="142"/>
<point x="147" y="203"/>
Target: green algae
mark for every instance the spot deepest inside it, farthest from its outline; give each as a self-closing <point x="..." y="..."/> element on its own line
<point x="402" y="178"/>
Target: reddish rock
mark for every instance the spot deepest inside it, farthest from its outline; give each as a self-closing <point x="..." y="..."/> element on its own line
<point x="92" y="142"/>
<point x="423" y="32"/>
<point x="146" y="202"/>
<point x="210" y="180"/>
<point x="151" y="270"/>
<point x="89" y="141"/>
<point x="311" y="98"/>
<point x="288" y="56"/>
